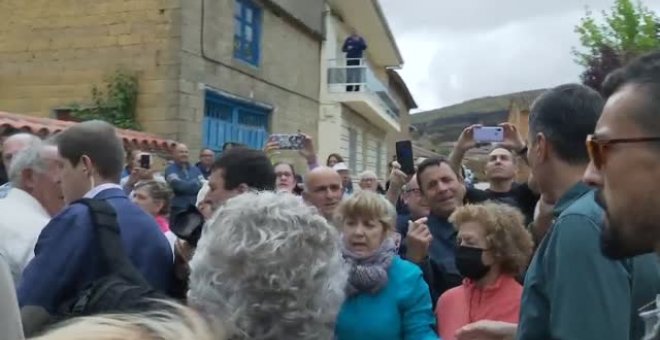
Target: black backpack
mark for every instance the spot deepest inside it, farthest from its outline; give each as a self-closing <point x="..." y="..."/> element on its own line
<point x="123" y="289"/>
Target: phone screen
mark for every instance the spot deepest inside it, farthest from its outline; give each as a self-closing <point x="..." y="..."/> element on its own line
<point x="489" y="134"/>
<point x="288" y="141"/>
<point x="404" y="155"/>
<point x="145" y="161"/>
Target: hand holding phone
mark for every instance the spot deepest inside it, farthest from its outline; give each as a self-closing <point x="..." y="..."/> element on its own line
<point x="145" y="161"/>
<point x="404" y="155"/>
<point x="288" y="141"/>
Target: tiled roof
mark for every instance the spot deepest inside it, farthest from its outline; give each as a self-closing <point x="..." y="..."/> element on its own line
<point x="48" y="126"/>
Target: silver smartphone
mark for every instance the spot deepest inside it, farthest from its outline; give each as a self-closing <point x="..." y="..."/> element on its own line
<point x="489" y="134"/>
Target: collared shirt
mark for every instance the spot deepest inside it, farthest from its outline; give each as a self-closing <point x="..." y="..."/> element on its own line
<point x="572" y="291"/>
<point x="23" y="218"/>
<point x="97" y="189"/>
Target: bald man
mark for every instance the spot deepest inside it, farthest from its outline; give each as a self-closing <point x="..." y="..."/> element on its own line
<point x="323" y="189"/>
<point x="184" y="179"/>
<point x="10" y="147"/>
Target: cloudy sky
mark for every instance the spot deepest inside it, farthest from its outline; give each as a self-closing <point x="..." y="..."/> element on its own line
<point x="459" y="50"/>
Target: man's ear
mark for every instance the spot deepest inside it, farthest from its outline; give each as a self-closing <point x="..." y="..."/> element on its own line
<point x="87" y="164"/>
<point x="542" y="147"/>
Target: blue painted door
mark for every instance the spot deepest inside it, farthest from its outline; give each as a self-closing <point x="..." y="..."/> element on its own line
<point x="227" y="120"/>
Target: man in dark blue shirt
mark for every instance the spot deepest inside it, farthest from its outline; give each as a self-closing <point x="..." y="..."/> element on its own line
<point x="185" y="180"/>
<point x="67" y="255"/>
<point x="354" y="47"/>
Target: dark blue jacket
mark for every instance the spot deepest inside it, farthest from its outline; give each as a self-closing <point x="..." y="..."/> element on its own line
<point x="67" y="256"/>
<point x="185" y="183"/>
<point x="354" y="47"/>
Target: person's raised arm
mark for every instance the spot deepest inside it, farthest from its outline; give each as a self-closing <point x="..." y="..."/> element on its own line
<point x="463" y="145"/>
<point x="397" y="180"/>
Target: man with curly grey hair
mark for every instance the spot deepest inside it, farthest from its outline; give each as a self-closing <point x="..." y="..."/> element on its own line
<point x="271" y="268"/>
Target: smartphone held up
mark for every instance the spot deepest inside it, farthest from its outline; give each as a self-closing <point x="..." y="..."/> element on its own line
<point x="288" y="141"/>
<point x="488" y="134"/>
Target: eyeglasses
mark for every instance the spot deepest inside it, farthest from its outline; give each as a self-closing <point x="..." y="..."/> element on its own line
<point x="598" y="147"/>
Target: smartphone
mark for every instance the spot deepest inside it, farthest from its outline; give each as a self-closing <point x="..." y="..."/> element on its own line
<point x="288" y="141"/>
<point x="488" y="134"/>
<point x="145" y="161"/>
<point x="404" y="155"/>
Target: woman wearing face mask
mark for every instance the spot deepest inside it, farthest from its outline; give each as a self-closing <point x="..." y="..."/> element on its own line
<point x="493" y="249"/>
<point x="387" y="297"/>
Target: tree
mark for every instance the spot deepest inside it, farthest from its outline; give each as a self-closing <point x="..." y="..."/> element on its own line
<point x="628" y="30"/>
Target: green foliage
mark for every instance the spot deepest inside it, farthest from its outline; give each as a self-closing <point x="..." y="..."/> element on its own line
<point x="116" y="104"/>
<point x="630" y="29"/>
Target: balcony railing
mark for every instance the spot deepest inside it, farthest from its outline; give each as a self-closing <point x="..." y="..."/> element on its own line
<point x="355" y="75"/>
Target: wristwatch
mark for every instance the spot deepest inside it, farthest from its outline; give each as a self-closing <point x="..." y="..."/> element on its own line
<point x="522" y="152"/>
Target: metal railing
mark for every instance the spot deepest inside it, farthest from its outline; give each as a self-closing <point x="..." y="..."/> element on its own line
<point x="356" y="75"/>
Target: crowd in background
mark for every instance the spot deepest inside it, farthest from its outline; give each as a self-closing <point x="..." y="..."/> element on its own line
<point x="100" y="243"/>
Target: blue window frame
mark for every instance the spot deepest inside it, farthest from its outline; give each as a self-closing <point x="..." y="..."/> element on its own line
<point x="227" y="120"/>
<point x="247" y="31"/>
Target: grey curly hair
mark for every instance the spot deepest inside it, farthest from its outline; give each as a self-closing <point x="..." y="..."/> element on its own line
<point x="271" y="268"/>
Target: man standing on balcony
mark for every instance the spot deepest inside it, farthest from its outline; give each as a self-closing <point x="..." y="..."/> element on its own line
<point x="354" y="47"/>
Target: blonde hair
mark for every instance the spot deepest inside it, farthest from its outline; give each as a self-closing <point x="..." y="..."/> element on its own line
<point x="172" y="322"/>
<point x="506" y="237"/>
<point x="367" y="205"/>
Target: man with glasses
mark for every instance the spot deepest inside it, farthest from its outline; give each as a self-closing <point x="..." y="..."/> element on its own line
<point x="625" y="162"/>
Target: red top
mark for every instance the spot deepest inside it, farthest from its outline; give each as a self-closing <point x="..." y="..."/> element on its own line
<point x="163" y="223"/>
<point x="467" y="303"/>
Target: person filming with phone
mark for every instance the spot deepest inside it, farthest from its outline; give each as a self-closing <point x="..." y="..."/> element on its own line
<point x="500" y="166"/>
<point x="140" y="170"/>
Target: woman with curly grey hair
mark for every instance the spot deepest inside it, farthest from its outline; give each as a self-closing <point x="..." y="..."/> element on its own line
<point x="271" y="268"/>
<point x="387" y="296"/>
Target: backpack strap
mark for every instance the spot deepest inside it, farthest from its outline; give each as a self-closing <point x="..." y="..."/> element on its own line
<point x="104" y="219"/>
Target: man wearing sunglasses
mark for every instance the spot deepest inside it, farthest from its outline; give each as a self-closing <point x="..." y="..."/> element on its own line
<point x="625" y="161"/>
<point x="571" y="290"/>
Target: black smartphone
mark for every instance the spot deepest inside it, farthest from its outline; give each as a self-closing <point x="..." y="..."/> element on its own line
<point x="145" y="161"/>
<point x="404" y="155"/>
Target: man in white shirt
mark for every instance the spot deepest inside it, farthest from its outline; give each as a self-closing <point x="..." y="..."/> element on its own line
<point x="10" y="146"/>
<point x="34" y="197"/>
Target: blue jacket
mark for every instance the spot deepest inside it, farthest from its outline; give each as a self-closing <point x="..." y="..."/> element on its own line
<point x="572" y="291"/>
<point x="354" y="47"/>
<point x="401" y="310"/>
<point x="67" y="256"/>
<point x="185" y="183"/>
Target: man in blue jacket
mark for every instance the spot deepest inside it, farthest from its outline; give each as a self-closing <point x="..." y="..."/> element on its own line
<point x="67" y="255"/>
<point x="354" y="47"/>
<point x="184" y="178"/>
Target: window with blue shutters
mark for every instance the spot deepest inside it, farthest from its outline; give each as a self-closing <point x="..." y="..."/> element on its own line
<point x="227" y="120"/>
<point x="247" y="31"/>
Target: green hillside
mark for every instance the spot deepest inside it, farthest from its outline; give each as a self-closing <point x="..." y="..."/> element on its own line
<point x="485" y="104"/>
<point x="438" y="127"/>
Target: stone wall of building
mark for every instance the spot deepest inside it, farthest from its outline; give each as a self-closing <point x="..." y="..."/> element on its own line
<point x="53" y="53"/>
<point x="287" y="77"/>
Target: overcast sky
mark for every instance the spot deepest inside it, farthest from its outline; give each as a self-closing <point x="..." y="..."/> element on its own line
<point x="459" y="50"/>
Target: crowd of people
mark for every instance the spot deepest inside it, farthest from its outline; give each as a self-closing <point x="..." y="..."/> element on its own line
<point x="100" y="244"/>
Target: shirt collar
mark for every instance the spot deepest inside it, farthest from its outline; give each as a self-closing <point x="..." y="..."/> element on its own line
<point x="575" y="192"/>
<point x="97" y="189"/>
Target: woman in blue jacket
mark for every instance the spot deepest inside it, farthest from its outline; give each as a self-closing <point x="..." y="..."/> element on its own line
<point x="387" y="298"/>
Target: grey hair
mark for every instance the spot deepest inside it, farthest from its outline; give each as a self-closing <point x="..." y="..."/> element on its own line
<point x="367" y="174"/>
<point x="27" y="158"/>
<point x="271" y="267"/>
<point x="171" y="322"/>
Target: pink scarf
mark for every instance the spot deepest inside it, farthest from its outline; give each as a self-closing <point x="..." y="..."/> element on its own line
<point x="163" y="223"/>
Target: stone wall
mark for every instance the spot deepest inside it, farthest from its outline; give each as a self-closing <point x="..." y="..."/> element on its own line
<point x="53" y="52"/>
<point x="287" y="78"/>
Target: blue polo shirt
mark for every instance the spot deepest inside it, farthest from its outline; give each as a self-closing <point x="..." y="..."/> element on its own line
<point x="572" y="291"/>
